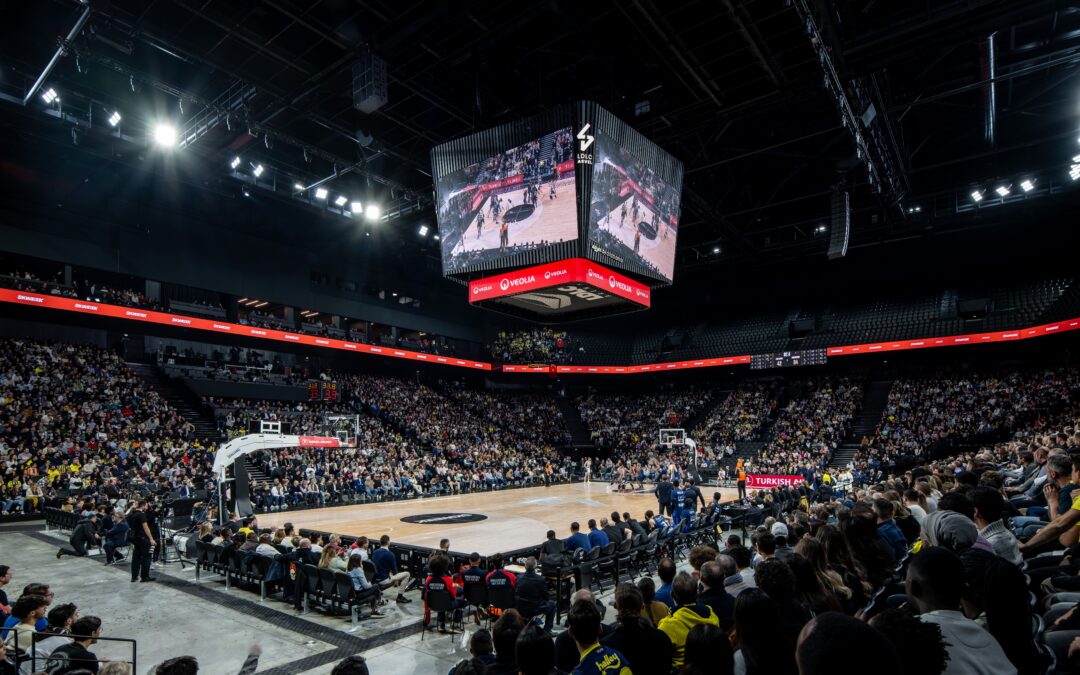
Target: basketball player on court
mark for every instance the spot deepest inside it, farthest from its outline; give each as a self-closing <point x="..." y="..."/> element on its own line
<point x="504" y="236"/>
<point x="637" y="240"/>
<point x="588" y="469"/>
<point x="479" y="224"/>
<point x="551" y="191"/>
<point x="634" y="209"/>
<point x="622" y="215"/>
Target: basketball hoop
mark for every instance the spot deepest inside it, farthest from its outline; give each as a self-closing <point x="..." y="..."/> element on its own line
<point x="672" y="438"/>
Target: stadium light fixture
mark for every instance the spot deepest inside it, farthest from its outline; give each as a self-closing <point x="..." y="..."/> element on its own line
<point x="298" y="187"/>
<point x="437" y="237"/>
<point x="115" y="118"/>
<point x="234" y="163"/>
<point x="976" y="196"/>
<point x="320" y="193"/>
<point x="356" y="208"/>
<point x="1002" y="190"/>
<point x="716" y="250"/>
<point x="820" y="229"/>
<point x="258" y="170"/>
<point x="165" y="135"/>
<point x="423" y="230"/>
<point x="1027" y="185"/>
<point x="49" y="96"/>
<point x="341" y="200"/>
<point x="372" y="212"/>
<point x="1074" y="172"/>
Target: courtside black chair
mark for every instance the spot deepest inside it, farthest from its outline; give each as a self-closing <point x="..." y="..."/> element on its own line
<point x="439" y="600"/>
<point x="476" y="595"/>
<point x="500" y="593"/>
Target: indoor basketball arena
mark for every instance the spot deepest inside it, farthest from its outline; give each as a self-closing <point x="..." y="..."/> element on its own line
<point x="617" y="338"/>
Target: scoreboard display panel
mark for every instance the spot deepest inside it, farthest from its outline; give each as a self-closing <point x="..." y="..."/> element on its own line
<point x="806" y="357"/>
<point x="319" y="390"/>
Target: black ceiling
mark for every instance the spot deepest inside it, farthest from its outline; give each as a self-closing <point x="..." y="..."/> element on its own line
<point x="736" y="90"/>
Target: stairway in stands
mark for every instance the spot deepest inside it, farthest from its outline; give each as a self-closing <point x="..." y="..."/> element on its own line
<point x="580" y="437"/>
<point x="182" y="399"/>
<point x="255" y="471"/>
<point x="865" y="423"/>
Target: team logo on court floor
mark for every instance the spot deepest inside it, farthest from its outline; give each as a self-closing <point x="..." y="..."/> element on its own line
<point x="443" y="518"/>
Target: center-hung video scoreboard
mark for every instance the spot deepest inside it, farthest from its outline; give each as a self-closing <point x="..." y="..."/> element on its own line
<point x="566" y="215"/>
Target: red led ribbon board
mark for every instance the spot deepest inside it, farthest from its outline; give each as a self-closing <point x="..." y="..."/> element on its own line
<point x="165" y="319"/>
<point x="565" y="290"/>
<point x="46" y="301"/>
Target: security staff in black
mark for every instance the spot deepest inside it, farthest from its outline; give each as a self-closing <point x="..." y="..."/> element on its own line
<point x="663" y="495"/>
<point x="142" y="542"/>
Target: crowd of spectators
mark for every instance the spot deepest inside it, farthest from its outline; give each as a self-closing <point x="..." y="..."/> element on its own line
<point x="539" y="345"/>
<point x="810" y="427"/>
<point x="924" y="412"/>
<point x="628" y="422"/>
<point x="738" y="418"/>
<point x="75" y="419"/>
<point x="524" y="415"/>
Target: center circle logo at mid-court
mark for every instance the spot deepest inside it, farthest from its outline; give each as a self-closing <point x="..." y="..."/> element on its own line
<point x="443" y="518"/>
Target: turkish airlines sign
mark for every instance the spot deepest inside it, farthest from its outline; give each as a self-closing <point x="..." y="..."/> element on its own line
<point x="760" y="481"/>
<point x="562" y="273"/>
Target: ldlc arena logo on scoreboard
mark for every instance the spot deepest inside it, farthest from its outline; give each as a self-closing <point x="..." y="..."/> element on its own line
<point x="585" y="141"/>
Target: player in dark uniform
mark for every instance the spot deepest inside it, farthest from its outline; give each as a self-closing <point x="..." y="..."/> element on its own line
<point x="622" y="215"/>
<point x="637" y="240"/>
<point x="634" y="209"/>
<point x="551" y="191"/>
<point x="479" y="224"/>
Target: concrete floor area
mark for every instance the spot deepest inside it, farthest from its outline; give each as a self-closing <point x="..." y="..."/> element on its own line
<point x="177" y="617"/>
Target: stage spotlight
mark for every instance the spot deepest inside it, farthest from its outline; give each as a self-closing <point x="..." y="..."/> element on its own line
<point x="976" y="196"/>
<point x="258" y="170"/>
<point x="234" y="163"/>
<point x="50" y="95"/>
<point x="423" y="230"/>
<point x="165" y="135"/>
<point x="356" y="207"/>
<point x="114" y="118"/>
<point x="1027" y="185"/>
<point x="341" y="200"/>
<point x="372" y="212"/>
<point x="1002" y="190"/>
<point x="320" y="193"/>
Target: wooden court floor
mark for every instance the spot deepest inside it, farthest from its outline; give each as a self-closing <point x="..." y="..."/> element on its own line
<point x="515" y="518"/>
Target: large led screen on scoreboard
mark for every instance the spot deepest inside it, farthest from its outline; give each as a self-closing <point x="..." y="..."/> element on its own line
<point x="634" y="214"/>
<point x="517" y="201"/>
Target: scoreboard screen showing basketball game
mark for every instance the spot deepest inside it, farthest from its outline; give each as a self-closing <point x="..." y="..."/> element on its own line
<point x="634" y="212"/>
<point x="516" y="201"/>
<point x="806" y="357"/>
<point x="569" y="214"/>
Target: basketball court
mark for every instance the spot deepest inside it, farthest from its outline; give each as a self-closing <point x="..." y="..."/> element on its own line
<point x="551" y="220"/>
<point x="660" y="252"/>
<point x="487" y="522"/>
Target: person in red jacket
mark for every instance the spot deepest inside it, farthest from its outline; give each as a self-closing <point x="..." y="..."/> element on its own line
<point x="439" y="579"/>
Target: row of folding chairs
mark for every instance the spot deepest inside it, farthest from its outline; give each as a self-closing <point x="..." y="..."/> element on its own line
<point x="334" y="591"/>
